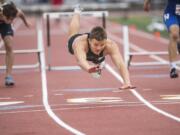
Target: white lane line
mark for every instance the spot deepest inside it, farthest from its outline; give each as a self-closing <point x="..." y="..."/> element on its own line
<point x="45" y="90"/>
<point x="10" y="103"/>
<point x="2" y="98"/>
<point x="135" y="93"/>
<point x="77" y="107"/>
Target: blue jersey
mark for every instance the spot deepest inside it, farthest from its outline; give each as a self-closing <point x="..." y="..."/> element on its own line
<point x="171" y="5"/>
<point x="172" y="13"/>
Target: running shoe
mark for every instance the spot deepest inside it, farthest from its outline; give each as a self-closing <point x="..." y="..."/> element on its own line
<point x="173" y="73"/>
<point x="9" y="81"/>
<point x="77" y="8"/>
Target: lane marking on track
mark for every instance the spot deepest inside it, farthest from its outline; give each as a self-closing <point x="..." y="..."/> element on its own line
<point x="170" y="97"/>
<point x="77" y="107"/>
<point x="150" y="76"/>
<point x="28" y="96"/>
<point x="95" y="100"/>
<point x="135" y="93"/>
<point x="3" y="98"/>
<point x="10" y="103"/>
<point x="88" y="89"/>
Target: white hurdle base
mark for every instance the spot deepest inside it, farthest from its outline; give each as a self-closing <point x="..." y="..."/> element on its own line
<point x="29" y="51"/>
<point x="22" y="51"/>
<point x="63" y="68"/>
<point x="30" y="66"/>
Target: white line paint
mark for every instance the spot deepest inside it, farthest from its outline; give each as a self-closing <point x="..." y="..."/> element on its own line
<point x="45" y="90"/>
<point x="10" y="103"/>
<point x="97" y="105"/>
<point x="119" y="78"/>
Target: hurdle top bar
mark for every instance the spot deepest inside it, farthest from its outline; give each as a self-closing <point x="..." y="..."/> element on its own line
<point x="86" y="13"/>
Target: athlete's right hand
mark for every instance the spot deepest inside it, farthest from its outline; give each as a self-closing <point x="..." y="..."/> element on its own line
<point x="95" y="69"/>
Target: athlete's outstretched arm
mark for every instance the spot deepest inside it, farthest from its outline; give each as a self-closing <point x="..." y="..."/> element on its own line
<point x="22" y="16"/>
<point x="119" y="63"/>
<point x="80" y="55"/>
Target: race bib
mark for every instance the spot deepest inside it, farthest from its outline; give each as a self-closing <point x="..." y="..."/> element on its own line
<point x="177" y="9"/>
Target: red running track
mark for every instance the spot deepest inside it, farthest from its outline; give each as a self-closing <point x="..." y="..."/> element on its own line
<point x="87" y="105"/>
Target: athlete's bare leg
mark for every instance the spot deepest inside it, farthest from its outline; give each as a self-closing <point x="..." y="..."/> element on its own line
<point x="174" y="37"/>
<point x="172" y="49"/>
<point x="9" y="54"/>
<point x="75" y="22"/>
<point x="9" y="60"/>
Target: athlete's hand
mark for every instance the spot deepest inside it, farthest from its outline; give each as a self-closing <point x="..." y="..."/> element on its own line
<point x="95" y="71"/>
<point x="28" y="25"/>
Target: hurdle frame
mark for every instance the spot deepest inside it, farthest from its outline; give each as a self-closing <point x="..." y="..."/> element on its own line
<point x="128" y="55"/>
<point x="23" y="51"/>
<point x="47" y="16"/>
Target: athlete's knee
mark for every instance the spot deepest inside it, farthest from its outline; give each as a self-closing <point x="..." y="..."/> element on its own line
<point x="8" y="46"/>
<point x="174" y="33"/>
<point x="174" y="36"/>
<point x="9" y="49"/>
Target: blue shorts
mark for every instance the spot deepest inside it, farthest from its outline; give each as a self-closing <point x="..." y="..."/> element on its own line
<point x="6" y="30"/>
<point x="170" y="18"/>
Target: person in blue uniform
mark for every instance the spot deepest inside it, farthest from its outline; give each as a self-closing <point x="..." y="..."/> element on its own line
<point x="171" y="19"/>
<point x="91" y="48"/>
<point x="8" y="12"/>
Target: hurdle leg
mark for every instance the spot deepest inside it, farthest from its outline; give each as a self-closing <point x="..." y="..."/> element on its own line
<point x="126" y="45"/>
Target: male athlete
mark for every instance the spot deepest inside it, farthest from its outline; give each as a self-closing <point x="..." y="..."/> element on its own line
<point x="93" y="47"/>
<point x="172" y="22"/>
<point x="8" y="12"/>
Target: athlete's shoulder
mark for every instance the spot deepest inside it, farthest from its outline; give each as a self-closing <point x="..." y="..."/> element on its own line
<point x="110" y="42"/>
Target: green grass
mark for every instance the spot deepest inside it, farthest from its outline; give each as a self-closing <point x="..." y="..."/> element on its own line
<point x="141" y="22"/>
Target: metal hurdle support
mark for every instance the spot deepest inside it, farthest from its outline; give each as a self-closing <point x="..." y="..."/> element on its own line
<point x="54" y="15"/>
<point x="128" y="55"/>
<point x="27" y="66"/>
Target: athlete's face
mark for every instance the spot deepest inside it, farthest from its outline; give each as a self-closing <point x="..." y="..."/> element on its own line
<point x="97" y="46"/>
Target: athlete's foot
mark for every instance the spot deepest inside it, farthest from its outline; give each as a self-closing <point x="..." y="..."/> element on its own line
<point x="77" y="8"/>
<point x="9" y="81"/>
<point x="173" y="73"/>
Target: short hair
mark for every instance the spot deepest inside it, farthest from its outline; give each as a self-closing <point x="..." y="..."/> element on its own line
<point x="98" y="33"/>
<point x="9" y="10"/>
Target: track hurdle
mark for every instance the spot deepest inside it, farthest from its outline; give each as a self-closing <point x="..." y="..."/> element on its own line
<point x="22" y="51"/>
<point x="56" y="15"/>
<point x="128" y="55"/>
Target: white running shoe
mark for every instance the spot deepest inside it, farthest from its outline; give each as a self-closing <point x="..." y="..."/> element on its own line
<point x="78" y="8"/>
